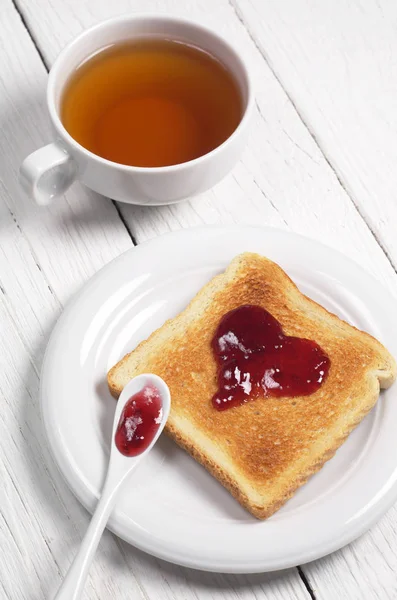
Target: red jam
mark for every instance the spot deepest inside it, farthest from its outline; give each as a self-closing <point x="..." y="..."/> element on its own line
<point x="139" y="422"/>
<point x="255" y="359"/>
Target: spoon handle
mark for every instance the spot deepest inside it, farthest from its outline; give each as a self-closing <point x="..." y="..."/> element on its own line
<point x="73" y="583"/>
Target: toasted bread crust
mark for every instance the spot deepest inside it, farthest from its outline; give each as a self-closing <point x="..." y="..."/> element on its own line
<point x="232" y="484"/>
<point x="264" y="450"/>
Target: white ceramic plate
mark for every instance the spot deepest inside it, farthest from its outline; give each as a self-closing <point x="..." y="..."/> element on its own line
<point x="173" y="508"/>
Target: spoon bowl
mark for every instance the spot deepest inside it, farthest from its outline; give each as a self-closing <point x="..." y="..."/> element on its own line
<point x="134" y="386"/>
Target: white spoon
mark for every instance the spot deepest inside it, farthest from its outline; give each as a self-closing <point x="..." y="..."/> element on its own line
<point x="119" y="469"/>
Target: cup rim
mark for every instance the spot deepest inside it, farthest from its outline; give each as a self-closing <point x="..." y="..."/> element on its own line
<point x="64" y="134"/>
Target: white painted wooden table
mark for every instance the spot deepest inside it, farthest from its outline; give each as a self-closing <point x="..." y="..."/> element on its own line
<point x="321" y="160"/>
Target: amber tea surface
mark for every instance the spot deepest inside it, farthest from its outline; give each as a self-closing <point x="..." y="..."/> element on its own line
<point x="151" y="103"/>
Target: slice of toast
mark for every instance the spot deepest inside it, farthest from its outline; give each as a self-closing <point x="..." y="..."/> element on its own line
<point x="261" y="451"/>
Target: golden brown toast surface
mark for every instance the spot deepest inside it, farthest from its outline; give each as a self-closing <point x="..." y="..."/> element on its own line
<point x="263" y="450"/>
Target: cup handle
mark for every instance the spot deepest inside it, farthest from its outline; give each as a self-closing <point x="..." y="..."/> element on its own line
<point x="47" y="173"/>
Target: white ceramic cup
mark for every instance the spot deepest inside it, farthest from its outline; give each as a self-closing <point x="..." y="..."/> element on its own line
<point x="48" y="172"/>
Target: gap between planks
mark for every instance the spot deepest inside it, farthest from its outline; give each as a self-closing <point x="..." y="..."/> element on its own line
<point x="306" y="583"/>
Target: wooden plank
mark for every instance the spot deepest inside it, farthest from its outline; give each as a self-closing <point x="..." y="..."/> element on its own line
<point x="336" y="60"/>
<point x="44" y="256"/>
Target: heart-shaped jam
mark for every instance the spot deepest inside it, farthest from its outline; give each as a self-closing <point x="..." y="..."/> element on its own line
<point x="256" y="358"/>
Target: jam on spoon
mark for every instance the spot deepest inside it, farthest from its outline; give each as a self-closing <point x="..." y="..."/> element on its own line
<point x="139" y="421"/>
<point x="256" y="358"/>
